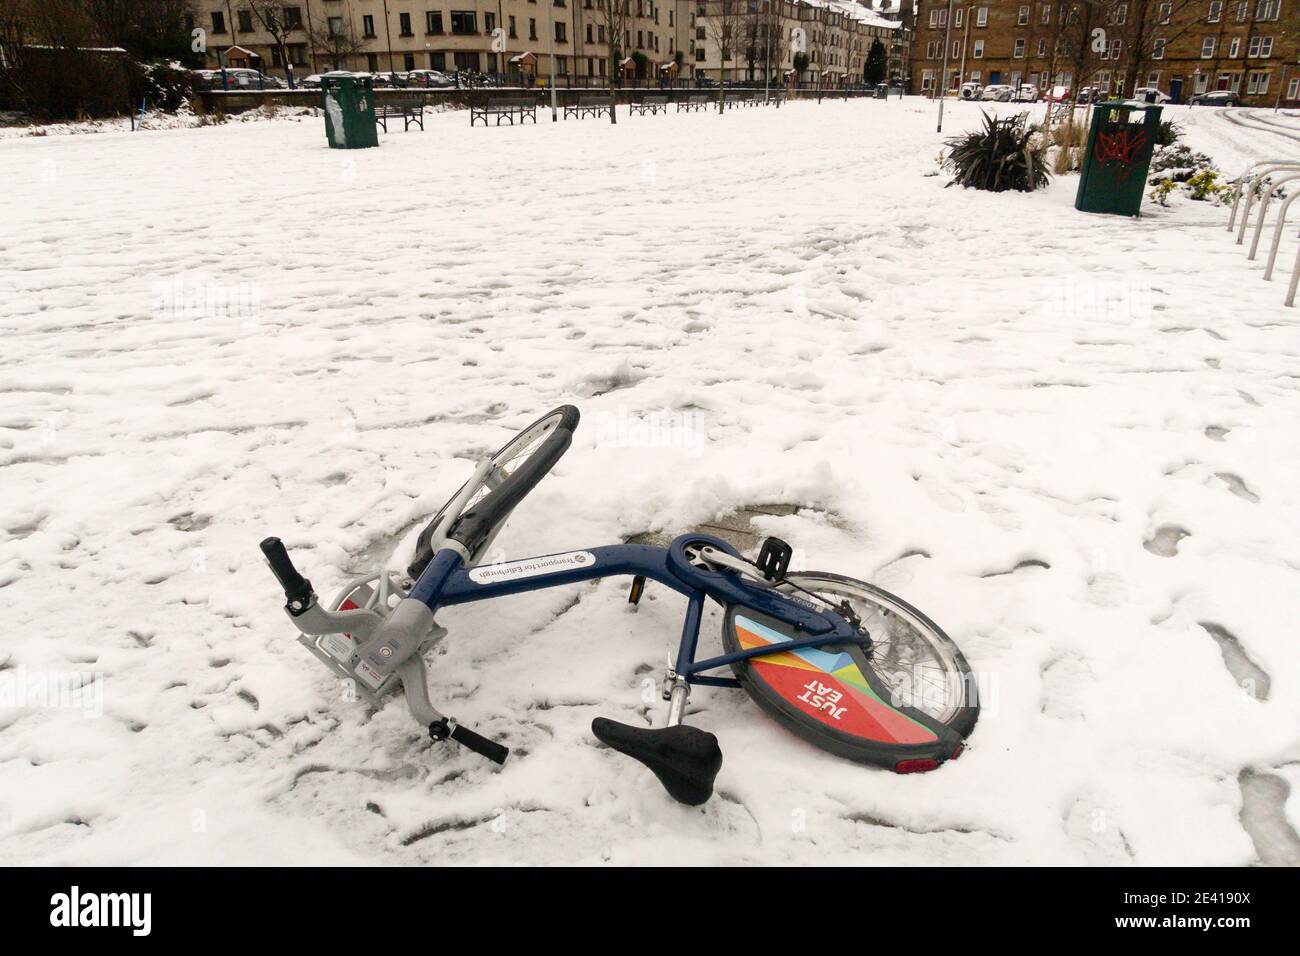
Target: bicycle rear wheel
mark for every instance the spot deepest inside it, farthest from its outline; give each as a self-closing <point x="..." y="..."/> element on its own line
<point x="907" y="702"/>
<point x="517" y="466"/>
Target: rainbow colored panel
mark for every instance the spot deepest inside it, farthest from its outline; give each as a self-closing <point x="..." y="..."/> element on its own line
<point x="829" y="687"/>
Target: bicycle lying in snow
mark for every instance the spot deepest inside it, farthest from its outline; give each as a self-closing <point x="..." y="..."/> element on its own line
<point x="846" y="666"/>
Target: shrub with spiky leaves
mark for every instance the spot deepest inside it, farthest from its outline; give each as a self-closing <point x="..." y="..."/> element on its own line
<point x="1006" y="154"/>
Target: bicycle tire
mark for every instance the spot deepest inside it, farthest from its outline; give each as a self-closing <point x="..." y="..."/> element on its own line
<point x="550" y="437"/>
<point x="852" y="710"/>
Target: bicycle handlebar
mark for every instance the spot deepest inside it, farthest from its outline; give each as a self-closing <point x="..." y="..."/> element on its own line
<point x="444" y="727"/>
<point x="297" y="589"/>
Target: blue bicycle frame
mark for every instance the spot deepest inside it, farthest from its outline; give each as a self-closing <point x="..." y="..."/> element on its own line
<point x="446" y="581"/>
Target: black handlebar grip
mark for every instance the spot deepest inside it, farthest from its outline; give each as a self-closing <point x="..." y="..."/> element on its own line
<point x="471" y="741"/>
<point x="297" y="589"/>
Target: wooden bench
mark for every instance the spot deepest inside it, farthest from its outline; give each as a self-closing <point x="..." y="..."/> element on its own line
<point x="650" y="104"/>
<point x="504" y="107"/>
<point x="689" y="103"/>
<point x="589" y="105"/>
<point x="410" y="109"/>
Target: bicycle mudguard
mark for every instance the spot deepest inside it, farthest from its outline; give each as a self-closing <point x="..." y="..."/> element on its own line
<point x="831" y="697"/>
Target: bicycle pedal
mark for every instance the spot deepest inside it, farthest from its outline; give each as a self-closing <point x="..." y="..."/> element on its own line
<point x="685" y="759"/>
<point x="634" y="595"/>
<point x="774" y="558"/>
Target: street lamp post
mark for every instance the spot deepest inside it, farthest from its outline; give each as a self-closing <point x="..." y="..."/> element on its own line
<point x="550" y="23"/>
<point x="947" y="35"/>
<point x="767" y="55"/>
<point x="388" y="37"/>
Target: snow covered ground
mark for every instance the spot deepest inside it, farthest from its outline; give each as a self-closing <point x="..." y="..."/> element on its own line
<point x="1070" y="439"/>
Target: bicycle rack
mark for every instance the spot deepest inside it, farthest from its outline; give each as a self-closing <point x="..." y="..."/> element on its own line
<point x="1255" y="183"/>
<point x="1240" y="181"/>
<point x="1263" y="212"/>
<point x="1251" y="182"/>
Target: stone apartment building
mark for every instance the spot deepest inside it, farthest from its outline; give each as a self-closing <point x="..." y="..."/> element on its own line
<point x="1182" y="47"/>
<point x="835" y="35"/>
<point x="662" y="38"/>
<point x="445" y="35"/>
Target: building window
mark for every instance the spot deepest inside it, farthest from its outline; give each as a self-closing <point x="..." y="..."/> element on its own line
<point x="1158" y="48"/>
<point x="927" y="81"/>
<point x="218" y="23"/>
<point x="438" y="61"/>
<point x="1019" y="51"/>
<point x="404" y="24"/>
<point x="1022" y="17"/>
<point x="245" y="18"/>
<point x="956" y="49"/>
<point x="532" y="28"/>
<point x="368" y="27"/>
<point x="433" y="21"/>
<point x="1260" y="47"/>
<point x="511" y="29"/>
<point x="293" y="18"/>
<point x="560" y="36"/>
<point x="1257" y="83"/>
<point x="1047" y="13"/>
<point x="1268" y="10"/>
<point x="335" y="26"/>
<point x="1163" y="12"/>
<point x="1042" y="46"/>
<point x="466" y="60"/>
<point x="464" y="22"/>
<point x="1293" y="88"/>
<point x="977" y="51"/>
<point x="372" y="62"/>
<point x="408" y="61"/>
<point x="699" y="55"/>
<point x="1207" y="48"/>
<point x="1113" y="48"/>
<point x="1234" y="48"/>
<point x="589" y="40"/>
<point x="1216" y="11"/>
<point x="982" y="17"/>
<point x="957" y="18"/>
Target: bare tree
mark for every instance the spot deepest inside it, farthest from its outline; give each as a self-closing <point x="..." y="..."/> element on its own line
<point x="723" y="22"/>
<point x="271" y="15"/>
<point x="614" y="17"/>
<point x="1139" y="24"/>
<point x="338" y="41"/>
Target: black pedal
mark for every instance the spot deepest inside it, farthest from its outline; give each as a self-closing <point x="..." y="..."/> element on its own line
<point x="774" y="558"/>
<point x="638" y="588"/>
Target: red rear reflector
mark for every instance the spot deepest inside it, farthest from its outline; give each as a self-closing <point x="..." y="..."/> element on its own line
<point x="915" y="766"/>
<point x="957" y="753"/>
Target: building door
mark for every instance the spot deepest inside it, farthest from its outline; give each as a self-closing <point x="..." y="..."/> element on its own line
<point x="995" y="77"/>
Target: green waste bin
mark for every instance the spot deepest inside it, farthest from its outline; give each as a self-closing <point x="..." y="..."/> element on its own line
<point x="882" y="91"/>
<point x="1117" y="158"/>
<point x="349" y="110"/>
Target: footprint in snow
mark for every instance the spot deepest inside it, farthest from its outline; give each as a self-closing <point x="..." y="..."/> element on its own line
<point x="1165" y="541"/>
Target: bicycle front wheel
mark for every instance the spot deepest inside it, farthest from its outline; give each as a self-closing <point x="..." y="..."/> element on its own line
<point x="906" y="702"/>
<point x="517" y="466"/>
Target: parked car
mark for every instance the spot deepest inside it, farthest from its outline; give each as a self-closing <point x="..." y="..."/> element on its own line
<point x="1215" y="98"/>
<point x="1028" y="93"/>
<point x="998" y="93"/>
<point x="1091" y="94"/>
<point x="1142" y="92"/>
<point x="430" y="79"/>
<point x="242" y="78"/>
<point x="311" y="82"/>
<point x="970" y="91"/>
